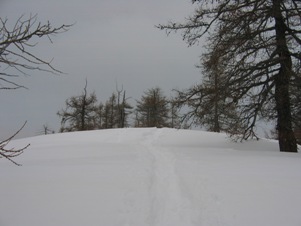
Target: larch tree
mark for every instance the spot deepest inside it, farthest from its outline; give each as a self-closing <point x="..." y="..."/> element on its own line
<point x="79" y="113"/>
<point x="208" y="104"/>
<point x="152" y="110"/>
<point x="260" y="43"/>
<point x="174" y="115"/>
<point x="114" y="113"/>
<point x="99" y="116"/>
<point x="110" y="118"/>
<point x="17" y="57"/>
<point x="123" y="108"/>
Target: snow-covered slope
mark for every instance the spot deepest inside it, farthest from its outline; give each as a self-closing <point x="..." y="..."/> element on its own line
<point x="149" y="176"/>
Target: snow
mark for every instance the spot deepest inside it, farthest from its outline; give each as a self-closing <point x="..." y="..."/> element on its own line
<point x="150" y="176"/>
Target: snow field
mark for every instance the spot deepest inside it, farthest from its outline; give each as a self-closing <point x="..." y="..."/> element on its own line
<point x="151" y="177"/>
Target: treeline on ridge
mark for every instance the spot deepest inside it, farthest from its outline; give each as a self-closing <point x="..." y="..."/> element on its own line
<point x="84" y="112"/>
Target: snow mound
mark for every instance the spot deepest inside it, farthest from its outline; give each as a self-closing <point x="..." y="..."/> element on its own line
<point x="150" y="176"/>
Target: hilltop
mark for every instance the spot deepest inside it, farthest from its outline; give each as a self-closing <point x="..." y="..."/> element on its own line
<point x="150" y="176"/>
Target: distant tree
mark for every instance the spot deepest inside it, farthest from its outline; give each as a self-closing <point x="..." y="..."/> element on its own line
<point x="80" y="112"/>
<point x="271" y="134"/>
<point x="152" y="110"/>
<point x="123" y="109"/>
<point x="17" y="57"/>
<point x="261" y="42"/>
<point x="46" y="130"/>
<point x="175" y="120"/>
<point x="297" y="132"/>
<point x="115" y="112"/>
<point x="109" y="113"/>
<point x="209" y="103"/>
<point x="99" y="117"/>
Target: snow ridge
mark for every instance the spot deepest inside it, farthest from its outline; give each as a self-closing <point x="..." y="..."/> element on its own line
<point x="150" y="177"/>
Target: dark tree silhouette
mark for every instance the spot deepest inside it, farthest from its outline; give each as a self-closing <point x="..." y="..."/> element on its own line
<point x="258" y="43"/>
<point x="152" y="110"/>
<point x="80" y="112"/>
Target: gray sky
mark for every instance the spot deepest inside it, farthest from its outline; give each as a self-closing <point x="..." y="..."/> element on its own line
<point x="111" y="41"/>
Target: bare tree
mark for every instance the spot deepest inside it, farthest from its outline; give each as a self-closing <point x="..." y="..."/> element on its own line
<point x="152" y="110"/>
<point x="16" y="57"/>
<point x="208" y="103"/>
<point x="99" y="117"/>
<point x="80" y="112"/>
<point x="109" y="115"/>
<point x="115" y="112"/>
<point x="175" y="119"/>
<point x="260" y="41"/>
<point x="123" y="108"/>
<point x="46" y="130"/>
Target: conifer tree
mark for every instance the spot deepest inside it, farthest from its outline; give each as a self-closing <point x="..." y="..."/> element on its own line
<point x="260" y="41"/>
<point x="80" y="112"/>
<point x="115" y="112"/>
<point x="209" y="103"/>
<point x="152" y="110"/>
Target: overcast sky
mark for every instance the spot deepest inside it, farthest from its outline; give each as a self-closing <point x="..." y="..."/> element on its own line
<point x="111" y="42"/>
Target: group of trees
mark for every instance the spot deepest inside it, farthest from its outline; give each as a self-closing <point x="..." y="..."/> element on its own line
<point x="251" y="68"/>
<point x="252" y="65"/>
<point x="83" y="112"/>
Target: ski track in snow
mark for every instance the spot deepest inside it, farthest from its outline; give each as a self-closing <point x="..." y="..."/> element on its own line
<point x="168" y="205"/>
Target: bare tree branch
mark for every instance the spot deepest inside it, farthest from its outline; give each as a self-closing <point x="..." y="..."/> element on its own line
<point x="16" y="44"/>
<point x="11" y="152"/>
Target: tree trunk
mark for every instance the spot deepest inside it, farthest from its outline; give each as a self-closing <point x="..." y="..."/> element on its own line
<point x="216" y="127"/>
<point x="287" y="140"/>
